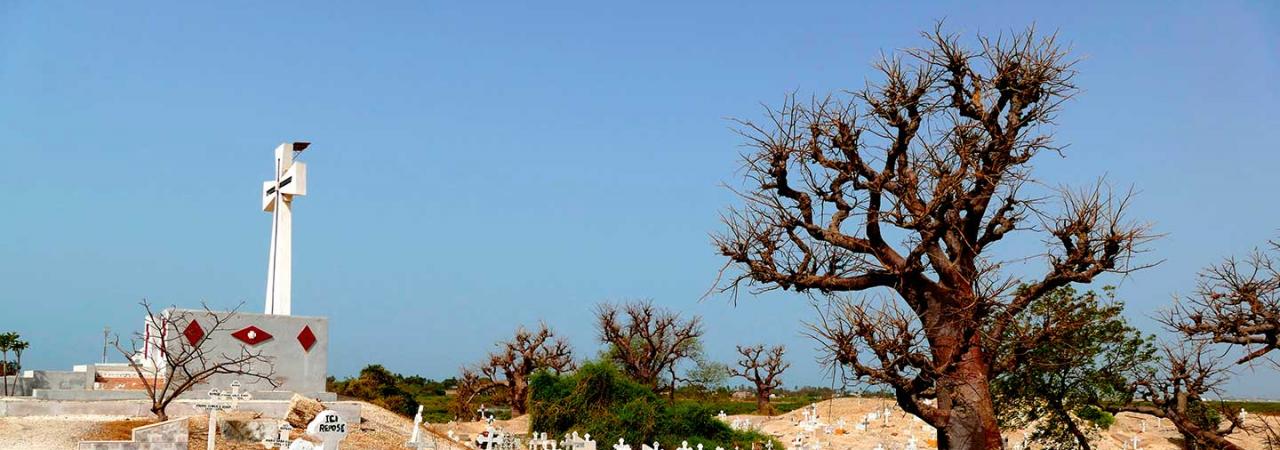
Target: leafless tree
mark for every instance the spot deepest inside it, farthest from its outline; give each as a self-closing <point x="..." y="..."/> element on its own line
<point x="762" y="367"/>
<point x="906" y="187"/>
<point x="1235" y="303"/>
<point x="181" y="363"/>
<point x="505" y="374"/>
<point x="1177" y="391"/>
<point x="471" y="386"/>
<point x="648" y="342"/>
<point x="521" y="356"/>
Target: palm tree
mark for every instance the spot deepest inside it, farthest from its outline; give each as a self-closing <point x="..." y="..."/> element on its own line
<point x="6" y="343"/>
<point x="18" y="347"/>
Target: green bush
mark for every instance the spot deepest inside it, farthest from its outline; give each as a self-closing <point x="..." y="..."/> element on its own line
<point x="1097" y="416"/>
<point x="599" y="400"/>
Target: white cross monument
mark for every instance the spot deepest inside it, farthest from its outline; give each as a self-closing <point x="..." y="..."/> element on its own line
<point x="277" y="198"/>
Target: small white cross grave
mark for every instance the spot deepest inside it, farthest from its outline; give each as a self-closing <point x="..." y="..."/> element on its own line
<point x="647" y="447"/>
<point x="416" y="440"/>
<point x="1243" y="415"/>
<point x="221" y="401"/>
<point x="329" y="428"/>
<point x="621" y="445"/>
<point x="489" y="439"/>
<point x="281" y="440"/>
<point x="684" y="445"/>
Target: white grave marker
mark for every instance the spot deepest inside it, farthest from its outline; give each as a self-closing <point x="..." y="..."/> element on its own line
<point x="329" y="428"/>
<point x="221" y="401"/>
<point x="282" y="438"/>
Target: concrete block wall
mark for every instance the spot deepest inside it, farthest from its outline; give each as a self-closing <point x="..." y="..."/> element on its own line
<point x="299" y="369"/>
<point x="274" y="409"/>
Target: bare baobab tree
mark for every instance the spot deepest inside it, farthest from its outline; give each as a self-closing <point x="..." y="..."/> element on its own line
<point x="506" y="372"/>
<point x="905" y="188"/>
<point x="521" y="356"/>
<point x="1236" y="303"/>
<point x="181" y="361"/>
<point x="648" y="342"/>
<point x="761" y="367"/>
<point x="1177" y="390"/>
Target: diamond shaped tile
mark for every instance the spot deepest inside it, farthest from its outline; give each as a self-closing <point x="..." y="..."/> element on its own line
<point x="306" y="338"/>
<point x="252" y="335"/>
<point x="193" y="332"/>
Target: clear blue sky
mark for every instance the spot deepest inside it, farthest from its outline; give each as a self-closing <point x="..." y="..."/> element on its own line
<point x="476" y="165"/>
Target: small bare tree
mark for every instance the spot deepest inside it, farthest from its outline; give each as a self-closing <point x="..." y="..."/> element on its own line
<point x="181" y="362"/>
<point x="762" y="367"/>
<point x="648" y="342"/>
<point x="471" y="385"/>
<point x="506" y="372"/>
<point x="907" y="187"/>
<point x="521" y="356"/>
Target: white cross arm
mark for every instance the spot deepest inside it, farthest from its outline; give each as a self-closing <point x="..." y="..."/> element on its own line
<point x="293" y="182"/>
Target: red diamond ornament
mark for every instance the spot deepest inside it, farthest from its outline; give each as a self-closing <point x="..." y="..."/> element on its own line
<point x="193" y="332"/>
<point x="306" y="338"/>
<point x="252" y="335"/>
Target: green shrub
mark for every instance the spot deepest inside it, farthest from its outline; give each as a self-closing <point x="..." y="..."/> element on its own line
<point x="599" y="400"/>
<point x="1097" y="416"/>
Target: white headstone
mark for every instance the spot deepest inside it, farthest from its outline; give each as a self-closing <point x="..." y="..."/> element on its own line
<point x="329" y="428"/>
<point x="281" y="439"/>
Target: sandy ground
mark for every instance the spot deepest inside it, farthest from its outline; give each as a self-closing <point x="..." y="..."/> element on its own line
<point x="382" y="429"/>
<point x="379" y="429"/>
<point x="55" y="432"/>
<point x="901" y="426"/>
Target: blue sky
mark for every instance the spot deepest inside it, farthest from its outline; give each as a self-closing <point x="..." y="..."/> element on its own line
<point x="478" y="166"/>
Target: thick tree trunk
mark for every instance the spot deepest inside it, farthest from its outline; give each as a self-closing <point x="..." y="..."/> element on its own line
<point x="964" y="393"/>
<point x="762" y="402"/>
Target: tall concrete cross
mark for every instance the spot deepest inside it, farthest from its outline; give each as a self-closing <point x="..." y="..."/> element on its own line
<point x="277" y="198"/>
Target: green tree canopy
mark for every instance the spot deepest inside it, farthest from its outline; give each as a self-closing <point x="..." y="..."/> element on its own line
<point x="598" y="399"/>
<point x="1070" y="353"/>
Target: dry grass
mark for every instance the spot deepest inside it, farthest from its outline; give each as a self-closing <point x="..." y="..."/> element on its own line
<point x="117" y="430"/>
